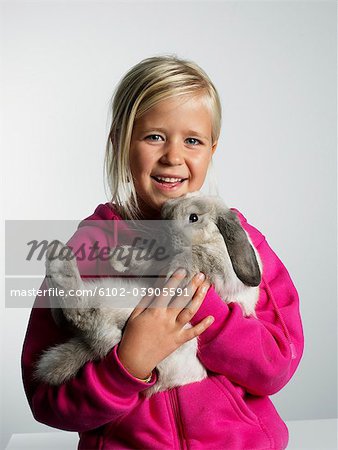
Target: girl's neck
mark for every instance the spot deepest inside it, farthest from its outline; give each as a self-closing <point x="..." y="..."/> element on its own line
<point x="148" y="213"/>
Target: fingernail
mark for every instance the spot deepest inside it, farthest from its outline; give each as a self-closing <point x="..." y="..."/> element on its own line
<point x="210" y="319"/>
<point x="201" y="276"/>
<point x="181" y="272"/>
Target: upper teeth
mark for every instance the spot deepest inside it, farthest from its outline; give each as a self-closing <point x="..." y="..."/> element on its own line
<point x="170" y="180"/>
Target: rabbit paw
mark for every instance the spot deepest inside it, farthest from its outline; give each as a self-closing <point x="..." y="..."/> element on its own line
<point x="63" y="274"/>
<point x="61" y="267"/>
<point x="129" y="259"/>
<point x="119" y="259"/>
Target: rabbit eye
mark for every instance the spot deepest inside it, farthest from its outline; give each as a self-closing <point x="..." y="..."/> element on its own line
<point x="193" y="218"/>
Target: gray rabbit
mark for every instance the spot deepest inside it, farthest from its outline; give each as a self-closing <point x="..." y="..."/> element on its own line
<point x="205" y="236"/>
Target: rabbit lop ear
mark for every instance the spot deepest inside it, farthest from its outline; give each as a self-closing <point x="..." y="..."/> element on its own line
<point x="241" y="253"/>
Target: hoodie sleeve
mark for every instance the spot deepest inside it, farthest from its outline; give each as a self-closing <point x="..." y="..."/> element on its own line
<point x="101" y="392"/>
<point x="260" y="354"/>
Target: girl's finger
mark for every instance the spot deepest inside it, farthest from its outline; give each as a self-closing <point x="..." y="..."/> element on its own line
<point x="161" y="278"/>
<point x="162" y="300"/>
<point x="190" y="310"/>
<point x="183" y="298"/>
<point x="147" y="300"/>
<point x="198" y="329"/>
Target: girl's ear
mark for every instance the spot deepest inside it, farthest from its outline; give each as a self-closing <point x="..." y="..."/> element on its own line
<point x="242" y="255"/>
<point x="213" y="148"/>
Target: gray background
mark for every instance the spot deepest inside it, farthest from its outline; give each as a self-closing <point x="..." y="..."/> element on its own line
<point x="274" y="64"/>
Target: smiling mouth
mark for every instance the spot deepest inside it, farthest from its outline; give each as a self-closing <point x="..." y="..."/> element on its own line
<point x="168" y="181"/>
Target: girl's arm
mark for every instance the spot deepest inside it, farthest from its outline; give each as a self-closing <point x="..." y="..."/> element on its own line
<point x="259" y="354"/>
<point x="101" y="392"/>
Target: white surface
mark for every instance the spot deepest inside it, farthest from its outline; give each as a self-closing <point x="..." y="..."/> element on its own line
<point x="44" y="441"/>
<point x="304" y="434"/>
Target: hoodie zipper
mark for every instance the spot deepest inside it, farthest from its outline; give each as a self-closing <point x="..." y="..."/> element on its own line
<point x="177" y="417"/>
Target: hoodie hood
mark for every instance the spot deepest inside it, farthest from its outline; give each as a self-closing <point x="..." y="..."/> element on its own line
<point x="104" y="211"/>
<point x="107" y="219"/>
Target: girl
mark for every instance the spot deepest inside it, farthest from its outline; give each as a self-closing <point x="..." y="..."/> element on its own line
<point x="165" y="126"/>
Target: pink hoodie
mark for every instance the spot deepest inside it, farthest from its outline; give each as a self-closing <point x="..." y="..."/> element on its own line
<point x="247" y="360"/>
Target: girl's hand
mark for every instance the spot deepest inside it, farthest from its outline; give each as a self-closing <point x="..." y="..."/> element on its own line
<point x="155" y="330"/>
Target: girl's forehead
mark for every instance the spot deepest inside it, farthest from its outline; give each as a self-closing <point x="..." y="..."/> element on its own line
<point x="190" y="112"/>
<point x="179" y="103"/>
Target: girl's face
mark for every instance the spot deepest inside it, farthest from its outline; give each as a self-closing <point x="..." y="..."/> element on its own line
<point x="171" y="140"/>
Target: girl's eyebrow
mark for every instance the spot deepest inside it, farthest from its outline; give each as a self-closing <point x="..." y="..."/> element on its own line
<point x="163" y="130"/>
<point x="196" y="133"/>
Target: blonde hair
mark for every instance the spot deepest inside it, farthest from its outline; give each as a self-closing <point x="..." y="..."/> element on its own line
<point x="147" y="83"/>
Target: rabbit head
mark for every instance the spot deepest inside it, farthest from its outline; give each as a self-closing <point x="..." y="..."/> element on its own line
<point x="207" y="228"/>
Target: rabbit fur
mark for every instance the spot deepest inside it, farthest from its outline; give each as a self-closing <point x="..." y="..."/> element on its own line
<point x="217" y="245"/>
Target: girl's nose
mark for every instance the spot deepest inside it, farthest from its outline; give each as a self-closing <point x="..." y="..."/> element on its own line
<point x="172" y="154"/>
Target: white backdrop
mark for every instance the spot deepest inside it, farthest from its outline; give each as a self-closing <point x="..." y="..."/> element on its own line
<point x="274" y="64"/>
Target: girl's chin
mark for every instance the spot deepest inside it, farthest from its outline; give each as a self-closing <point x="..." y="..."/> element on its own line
<point x="170" y="193"/>
<point x="154" y="202"/>
<point x="161" y="199"/>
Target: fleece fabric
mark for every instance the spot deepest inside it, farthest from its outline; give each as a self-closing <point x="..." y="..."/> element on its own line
<point x="247" y="359"/>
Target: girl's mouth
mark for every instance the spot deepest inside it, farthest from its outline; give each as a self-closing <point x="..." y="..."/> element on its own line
<point x="168" y="183"/>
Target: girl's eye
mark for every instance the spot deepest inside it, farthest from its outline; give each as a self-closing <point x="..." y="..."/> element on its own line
<point x="195" y="141"/>
<point x="193" y="218"/>
<point x="153" y="137"/>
